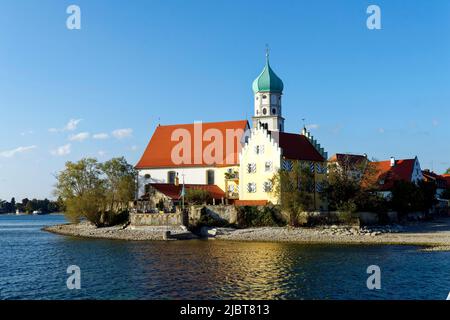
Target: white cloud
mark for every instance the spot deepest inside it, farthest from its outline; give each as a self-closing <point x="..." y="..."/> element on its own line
<point x="80" y="137"/>
<point x="70" y="126"/>
<point x="62" y="151"/>
<point x="101" y="153"/>
<point x="100" y="136"/>
<point x="312" y="126"/>
<point x="13" y="152"/>
<point x="122" y="133"/>
<point x="26" y="133"/>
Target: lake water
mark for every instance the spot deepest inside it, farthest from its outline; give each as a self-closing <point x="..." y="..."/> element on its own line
<point x="33" y="265"/>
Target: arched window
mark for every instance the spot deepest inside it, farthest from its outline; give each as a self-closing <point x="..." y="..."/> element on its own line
<point x="210" y="177"/>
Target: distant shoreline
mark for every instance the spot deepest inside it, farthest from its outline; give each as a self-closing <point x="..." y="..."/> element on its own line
<point x="434" y="236"/>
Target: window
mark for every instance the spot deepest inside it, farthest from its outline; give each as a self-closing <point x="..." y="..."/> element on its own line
<point x="320" y="168"/>
<point x="264" y="111"/>
<point x="210" y="177"/>
<point x="319" y="187"/>
<point x="287" y="165"/>
<point x="312" y="167"/>
<point x="251" y="168"/>
<point x="147" y="189"/>
<point x="267" y="186"/>
<point x="264" y="97"/>
<point x="268" y="166"/>
<point x="231" y="188"/>
<point x="171" y="177"/>
<point x="251" y="187"/>
<point x="274" y="111"/>
<point x="259" y="149"/>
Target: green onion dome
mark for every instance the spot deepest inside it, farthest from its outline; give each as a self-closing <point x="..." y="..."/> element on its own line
<point x="268" y="81"/>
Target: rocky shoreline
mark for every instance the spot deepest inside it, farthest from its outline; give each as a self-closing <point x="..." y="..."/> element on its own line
<point x="87" y="230"/>
<point x="431" y="235"/>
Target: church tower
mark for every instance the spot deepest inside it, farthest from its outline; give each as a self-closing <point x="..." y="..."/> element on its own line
<point x="268" y="89"/>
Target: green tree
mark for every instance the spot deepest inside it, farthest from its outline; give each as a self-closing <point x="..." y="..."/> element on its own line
<point x="408" y="197"/>
<point x="295" y="189"/>
<point x="352" y="187"/>
<point x="448" y="171"/>
<point x="13" y="204"/>
<point x="95" y="191"/>
<point x="82" y="190"/>
<point x="120" y="180"/>
<point x="29" y="207"/>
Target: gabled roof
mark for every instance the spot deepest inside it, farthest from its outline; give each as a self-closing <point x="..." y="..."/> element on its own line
<point x="158" y="153"/>
<point x="431" y="176"/>
<point x="174" y="191"/>
<point x="349" y="159"/>
<point x="387" y="175"/>
<point x="446" y="177"/>
<point x="298" y="147"/>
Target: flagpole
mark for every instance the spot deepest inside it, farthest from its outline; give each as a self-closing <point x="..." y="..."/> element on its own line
<point x="182" y="193"/>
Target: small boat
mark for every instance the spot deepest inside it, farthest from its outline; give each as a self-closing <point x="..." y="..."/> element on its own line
<point x="18" y="213"/>
<point x="37" y="212"/>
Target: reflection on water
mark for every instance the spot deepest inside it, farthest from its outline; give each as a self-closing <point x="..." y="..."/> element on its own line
<point x="33" y="266"/>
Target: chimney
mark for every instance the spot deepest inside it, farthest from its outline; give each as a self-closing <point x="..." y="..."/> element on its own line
<point x="392" y="162"/>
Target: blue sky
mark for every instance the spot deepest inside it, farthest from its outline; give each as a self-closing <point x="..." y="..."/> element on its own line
<point x="381" y="92"/>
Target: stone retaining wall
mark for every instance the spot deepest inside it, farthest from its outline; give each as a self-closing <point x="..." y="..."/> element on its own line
<point x="218" y="212"/>
<point x="158" y="219"/>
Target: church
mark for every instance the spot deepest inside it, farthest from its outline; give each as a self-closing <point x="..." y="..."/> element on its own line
<point x="232" y="160"/>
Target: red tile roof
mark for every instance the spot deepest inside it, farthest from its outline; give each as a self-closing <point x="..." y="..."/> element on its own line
<point x="402" y="171"/>
<point x="297" y="147"/>
<point x="242" y="203"/>
<point x="158" y="153"/>
<point x="348" y="159"/>
<point x="446" y="177"/>
<point x="174" y="192"/>
<point x="440" y="180"/>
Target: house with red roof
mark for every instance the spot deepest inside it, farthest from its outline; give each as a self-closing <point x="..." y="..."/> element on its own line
<point x="352" y="164"/>
<point x="390" y="171"/>
<point x="439" y="181"/>
<point x="230" y="156"/>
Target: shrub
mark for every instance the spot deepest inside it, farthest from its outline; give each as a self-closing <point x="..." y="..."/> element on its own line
<point x="267" y="216"/>
<point x="197" y="196"/>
